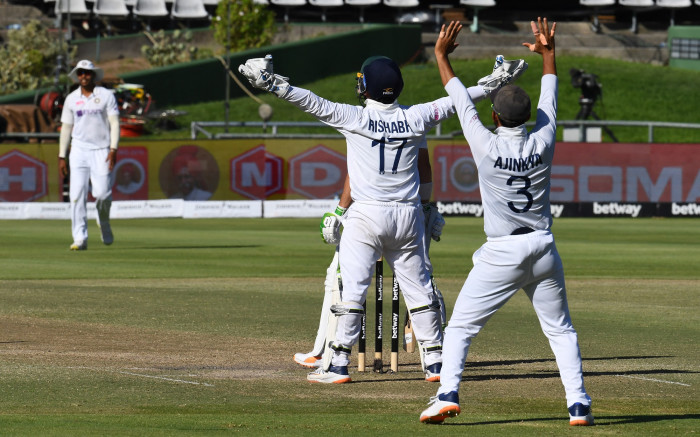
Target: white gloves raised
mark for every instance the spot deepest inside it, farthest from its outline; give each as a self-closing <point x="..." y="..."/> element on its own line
<point x="330" y="225"/>
<point x="433" y="221"/>
<point x="259" y="73"/>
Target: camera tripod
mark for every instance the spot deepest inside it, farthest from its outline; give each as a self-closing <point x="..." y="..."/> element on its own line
<point x="587" y="111"/>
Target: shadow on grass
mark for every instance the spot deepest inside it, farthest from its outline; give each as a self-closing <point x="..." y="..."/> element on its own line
<point x="545" y="360"/>
<point x="194" y="246"/>
<point x="543" y="374"/>
<point x="599" y="420"/>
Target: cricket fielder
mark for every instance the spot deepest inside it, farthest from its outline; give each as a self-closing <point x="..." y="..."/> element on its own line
<point x="384" y="140"/>
<point x="519" y="253"/>
<point x="504" y="71"/>
<point x="90" y="125"/>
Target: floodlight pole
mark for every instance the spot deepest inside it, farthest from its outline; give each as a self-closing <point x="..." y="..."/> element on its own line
<point x="228" y="63"/>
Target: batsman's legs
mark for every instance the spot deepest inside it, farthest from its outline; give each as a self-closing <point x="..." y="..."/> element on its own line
<point x="330" y="284"/>
<point x="332" y="277"/>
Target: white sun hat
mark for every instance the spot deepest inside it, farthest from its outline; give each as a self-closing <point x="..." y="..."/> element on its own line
<point x="86" y="65"/>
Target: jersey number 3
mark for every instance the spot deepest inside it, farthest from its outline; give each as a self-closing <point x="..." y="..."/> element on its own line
<point x="382" y="144"/>
<point x="522" y="191"/>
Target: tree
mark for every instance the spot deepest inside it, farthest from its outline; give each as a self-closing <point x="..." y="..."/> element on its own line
<point x="170" y="48"/>
<point x="247" y="25"/>
<point x="29" y="57"/>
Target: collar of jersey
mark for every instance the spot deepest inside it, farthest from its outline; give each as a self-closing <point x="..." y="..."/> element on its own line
<point x="518" y="131"/>
<point x="382" y="106"/>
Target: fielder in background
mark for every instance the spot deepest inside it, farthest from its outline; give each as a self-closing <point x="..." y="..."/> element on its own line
<point x="514" y="169"/>
<point x="384" y="140"/>
<point x="90" y="125"/>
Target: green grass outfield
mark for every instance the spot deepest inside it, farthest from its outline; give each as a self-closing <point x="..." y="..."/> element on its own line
<point x="188" y="327"/>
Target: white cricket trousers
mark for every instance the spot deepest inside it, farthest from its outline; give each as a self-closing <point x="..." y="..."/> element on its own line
<point x="502" y="266"/>
<point x="396" y="231"/>
<point x="88" y="166"/>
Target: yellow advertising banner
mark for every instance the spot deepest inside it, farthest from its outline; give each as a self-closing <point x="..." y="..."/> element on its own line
<point x="276" y="169"/>
<point x="239" y="169"/>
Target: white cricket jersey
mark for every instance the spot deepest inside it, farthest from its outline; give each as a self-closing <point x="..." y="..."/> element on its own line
<point x="382" y="142"/>
<point x="88" y="115"/>
<point x="514" y="166"/>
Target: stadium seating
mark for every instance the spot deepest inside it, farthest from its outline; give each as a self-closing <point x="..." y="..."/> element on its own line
<point x="74" y="7"/>
<point x="110" y="8"/>
<point x="324" y="5"/>
<point x="400" y="5"/>
<point x="476" y="5"/>
<point x="150" y="9"/>
<point x="362" y="4"/>
<point x="189" y="10"/>
<point x="596" y="5"/>
<point x="672" y="5"/>
<point x="106" y="9"/>
<point x="287" y="4"/>
<point x="635" y="6"/>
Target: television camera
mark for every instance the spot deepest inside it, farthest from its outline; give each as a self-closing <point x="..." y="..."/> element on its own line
<point x="591" y="90"/>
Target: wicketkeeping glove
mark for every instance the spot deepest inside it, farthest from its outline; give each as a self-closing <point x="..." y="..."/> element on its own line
<point x="433" y="221"/>
<point x="330" y="225"/>
<point x="260" y="74"/>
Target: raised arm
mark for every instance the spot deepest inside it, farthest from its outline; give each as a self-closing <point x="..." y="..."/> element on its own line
<point x="446" y="44"/>
<point x="544" y="44"/>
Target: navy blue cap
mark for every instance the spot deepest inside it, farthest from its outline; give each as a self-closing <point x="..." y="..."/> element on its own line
<point x="383" y="80"/>
<point x="512" y="104"/>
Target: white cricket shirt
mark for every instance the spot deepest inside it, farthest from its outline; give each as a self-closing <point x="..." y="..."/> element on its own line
<point x="88" y="115"/>
<point x="514" y="166"/>
<point x="382" y="142"/>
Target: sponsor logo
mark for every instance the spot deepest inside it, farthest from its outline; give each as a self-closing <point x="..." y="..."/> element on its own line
<point x="23" y="178"/>
<point x="318" y="173"/>
<point x="257" y="173"/>
<point x="689" y="209"/>
<point x="557" y="210"/>
<point x="614" y="208"/>
<point x="460" y="208"/>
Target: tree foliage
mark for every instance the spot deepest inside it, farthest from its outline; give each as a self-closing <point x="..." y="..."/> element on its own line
<point x="29" y="57"/>
<point x="247" y="24"/>
<point x="170" y="48"/>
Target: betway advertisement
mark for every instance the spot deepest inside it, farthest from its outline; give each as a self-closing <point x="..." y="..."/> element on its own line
<point x="588" y="179"/>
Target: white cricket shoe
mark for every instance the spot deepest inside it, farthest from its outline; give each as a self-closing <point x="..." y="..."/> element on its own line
<point x="580" y="415"/>
<point x="308" y="360"/>
<point x="334" y="375"/>
<point x="79" y="245"/>
<point x="504" y="72"/>
<point x="105" y="232"/>
<point x="441" y="407"/>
